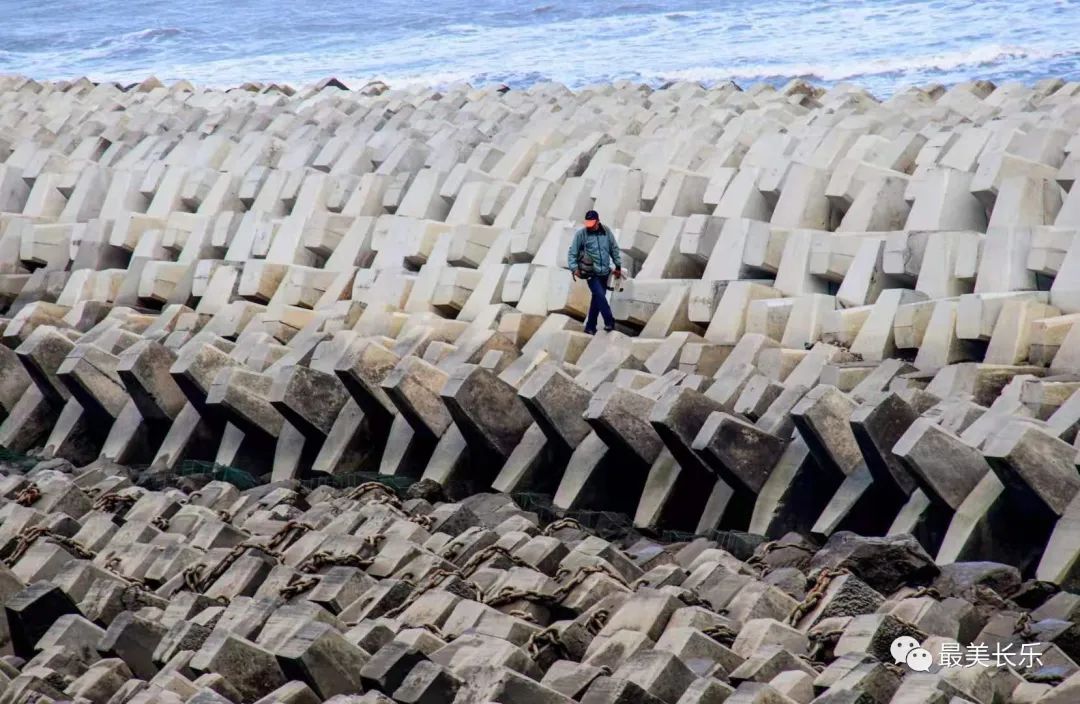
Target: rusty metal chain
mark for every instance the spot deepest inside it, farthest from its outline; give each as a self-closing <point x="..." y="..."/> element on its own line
<point x="425" y="521"/>
<point x="435" y="579"/>
<point x="725" y="635"/>
<point x="29" y="495"/>
<point x="196" y="581"/>
<point x="25" y="538"/>
<point x="74" y="547"/>
<point x="193" y="577"/>
<point x="543" y="640"/>
<point x="757" y="560"/>
<point x="112" y="565"/>
<point x="387" y="499"/>
<point x="815" y="594"/>
<point x="432" y="628"/>
<point x="582" y="572"/>
<point x="820" y="642"/>
<point x="298" y="584"/>
<point x="508" y="595"/>
<point x="391" y="500"/>
<point x="523" y="615"/>
<point x="562" y="523"/>
<point x="596" y="621"/>
<point x="898" y="670"/>
<point x="474" y="562"/>
<point x="368" y="487"/>
<point x="113" y="502"/>
<point x="812" y="664"/>
<point x="28" y="536"/>
<point x="691" y="598"/>
<point x="288" y="534"/>
<point x="322" y="559"/>
<point x="1023" y="626"/>
<point x="291" y="499"/>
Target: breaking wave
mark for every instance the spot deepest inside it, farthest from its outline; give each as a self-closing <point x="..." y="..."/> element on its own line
<point x="884" y="45"/>
<point x="974" y="59"/>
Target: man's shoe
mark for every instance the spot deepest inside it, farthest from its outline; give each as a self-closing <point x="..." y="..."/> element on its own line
<point x="611" y="329"/>
<point x="590" y="332"/>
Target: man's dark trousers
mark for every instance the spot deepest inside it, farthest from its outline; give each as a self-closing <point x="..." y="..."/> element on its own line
<point x="599" y="305"/>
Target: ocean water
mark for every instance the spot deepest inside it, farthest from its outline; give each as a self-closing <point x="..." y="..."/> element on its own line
<point x="883" y="45"/>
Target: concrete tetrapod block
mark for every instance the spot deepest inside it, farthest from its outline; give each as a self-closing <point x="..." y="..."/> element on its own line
<point x="794" y="494"/>
<point x="29" y="421"/>
<point x="406" y="452"/>
<point x="362" y="370"/>
<point x="990" y="525"/>
<point x="742" y="454"/>
<point x="320" y="656"/>
<point x="196" y="366"/>
<point x="414" y="387"/>
<point x="624" y="446"/>
<point x="252" y="670"/>
<point x="252" y="429"/>
<point x="42" y="353"/>
<point x="695" y="494"/>
<point x="143" y="368"/>
<point x="579" y="486"/>
<point x="620" y="417"/>
<point x="192" y="435"/>
<point x="557" y="403"/>
<point x="822" y="418"/>
<point x="1038" y="468"/>
<point x="31" y="612"/>
<point x="243" y="397"/>
<point x="74" y="436"/>
<point x="489" y="414"/>
<point x="90" y="374"/>
<point x="309" y="399"/>
<point x="1060" y="562"/>
<point x="878" y="428"/>
<point x="14" y="381"/>
<point x="532" y="465"/>
<point x="882" y="431"/>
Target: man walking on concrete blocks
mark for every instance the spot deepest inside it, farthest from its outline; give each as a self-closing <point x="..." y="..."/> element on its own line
<point x="592" y="254"/>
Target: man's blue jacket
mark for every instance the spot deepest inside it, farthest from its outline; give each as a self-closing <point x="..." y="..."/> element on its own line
<point x="601" y="248"/>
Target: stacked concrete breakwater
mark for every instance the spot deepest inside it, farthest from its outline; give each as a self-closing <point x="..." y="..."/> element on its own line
<point x="848" y="330"/>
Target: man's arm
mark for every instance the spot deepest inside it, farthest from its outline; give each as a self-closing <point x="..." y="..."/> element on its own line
<point x="616" y="257"/>
<point x="572" y="255"/>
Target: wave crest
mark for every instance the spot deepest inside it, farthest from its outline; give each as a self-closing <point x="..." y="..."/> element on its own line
<point x="898" y="66"/>
<point x="149" y="34"/>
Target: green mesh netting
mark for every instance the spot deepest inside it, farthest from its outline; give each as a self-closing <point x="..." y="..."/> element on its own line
<point x="17" y="460"/>
<point x="218" y="472"/>
<point x="609" y="525"/>
<point x="675" y="536"/>
<point x="540" y="504"/>
<point x="355" y="479"/>
<point x="739" y="543"/>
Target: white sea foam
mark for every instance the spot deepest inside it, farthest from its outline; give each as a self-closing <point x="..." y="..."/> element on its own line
<point x="948" y="61"/>
<point x="141" y="35"/>
<point x="882" y="44"/>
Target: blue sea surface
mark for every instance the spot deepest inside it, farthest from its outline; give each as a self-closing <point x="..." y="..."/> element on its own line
<point x="883" y="45"/>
